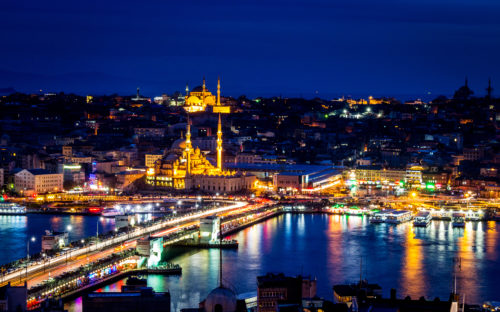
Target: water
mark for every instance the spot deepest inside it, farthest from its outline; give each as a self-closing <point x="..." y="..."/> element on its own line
<point x="415" y="261"/>
<point x="15" y="231"/>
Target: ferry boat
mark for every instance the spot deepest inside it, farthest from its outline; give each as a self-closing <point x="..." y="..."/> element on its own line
<point x="12" y="209"/>
<point x="111" y="212"/>
<point x="458" y="219"/>
<point x="423" y="218"/>
<point x="398" y="216"/>
<point x="381" y="216"/>
<point x="473" y="215"/>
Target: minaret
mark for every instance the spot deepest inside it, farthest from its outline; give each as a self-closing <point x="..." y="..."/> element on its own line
<point x="137" y="92"/>
<point x="189" y="147"/>
<point x="203" y="94"/>
<point x="218" y="92"/>
<point x="187" y="90"/>
<point x="489" y="90"/>
<point x="219" y="145"/>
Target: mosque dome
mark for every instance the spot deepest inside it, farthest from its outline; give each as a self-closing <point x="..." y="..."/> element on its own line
<point x="178" y="144"/>
<point x="221" y="299"/>
<point x="197" y="89"/>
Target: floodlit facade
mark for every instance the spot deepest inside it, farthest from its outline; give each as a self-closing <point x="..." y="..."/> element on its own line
<point x="184" y="167"/>
<point x="200" y="98"/>
<point x="37" y="181"/>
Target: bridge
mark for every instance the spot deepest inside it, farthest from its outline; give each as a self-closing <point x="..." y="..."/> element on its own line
<point x="34" y="273"/>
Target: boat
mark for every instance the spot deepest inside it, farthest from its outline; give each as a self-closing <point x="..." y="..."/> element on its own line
<point x="12" y="209"/>
<point x="381" y="216"/>
<point x="423" y="218"/>
<point x="474" y="215"/>
<point x="111" y="212"/>
<point x="458" y="219"/>
<point x="398" y="216"/>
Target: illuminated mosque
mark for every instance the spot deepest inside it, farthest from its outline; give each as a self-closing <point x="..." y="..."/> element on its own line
<point x="185" y="167"/>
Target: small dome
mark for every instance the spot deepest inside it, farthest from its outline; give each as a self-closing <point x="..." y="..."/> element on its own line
<point x="178" y="144"/>
<point x="221" y="299"/>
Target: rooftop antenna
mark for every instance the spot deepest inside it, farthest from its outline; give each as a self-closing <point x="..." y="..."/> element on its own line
<point x="489" y="89"/>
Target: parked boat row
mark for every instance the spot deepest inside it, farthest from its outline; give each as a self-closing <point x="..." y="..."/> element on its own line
<point x="423" y="218"/>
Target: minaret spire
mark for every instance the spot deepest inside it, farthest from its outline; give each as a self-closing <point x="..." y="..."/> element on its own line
<point x="187" y="90"/>
<point x="204" y="88"/>
<point x="219" y="144"/>
<point x="189" y="147"/>
<point x="489" y="90"/>
<point x="218" y="92"/>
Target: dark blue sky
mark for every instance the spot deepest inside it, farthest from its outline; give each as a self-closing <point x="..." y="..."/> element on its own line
<point x="292" y="47"/>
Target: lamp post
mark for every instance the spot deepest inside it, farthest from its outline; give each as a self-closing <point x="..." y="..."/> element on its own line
<point x="68" y="228"/>
<point x="97" y="232"/>
<point x="44" y="260"/>
<point x="33" y="239"/>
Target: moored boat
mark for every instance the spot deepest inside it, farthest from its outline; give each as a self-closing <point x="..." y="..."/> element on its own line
<point x="423" y="219"/>
<point x="381" y="216"/>
<point x="398" y="216"/>
<point x="458" y="219"/>
<point x="12" y="209"/>
<point x="111" y="212"/>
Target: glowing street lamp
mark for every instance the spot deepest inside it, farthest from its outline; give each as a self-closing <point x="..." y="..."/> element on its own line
<point x="33" y="239"/>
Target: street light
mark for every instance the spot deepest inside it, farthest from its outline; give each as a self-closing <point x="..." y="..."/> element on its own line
<point x="33" y="239"/>
<point x="68" y="228"/>
<point x="44" y="260"/>
<point x="97" y="231"/>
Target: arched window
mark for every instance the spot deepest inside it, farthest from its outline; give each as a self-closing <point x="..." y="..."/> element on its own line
<point x="218" y="308"/>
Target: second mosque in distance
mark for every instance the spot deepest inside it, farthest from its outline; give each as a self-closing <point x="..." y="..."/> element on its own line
<point x="185" y="167"/>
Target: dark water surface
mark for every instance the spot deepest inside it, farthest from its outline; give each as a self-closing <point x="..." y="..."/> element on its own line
<point x="415" y="261"/>
<point x="15" y="231"/>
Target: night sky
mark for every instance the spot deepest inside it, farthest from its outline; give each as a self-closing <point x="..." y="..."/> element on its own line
<point x="293" y="47"/>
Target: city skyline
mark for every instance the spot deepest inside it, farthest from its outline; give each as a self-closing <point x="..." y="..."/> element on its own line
<point x="250" y="156"/>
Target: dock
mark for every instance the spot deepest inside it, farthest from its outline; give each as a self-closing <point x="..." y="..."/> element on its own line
<point x="189" y="243"/>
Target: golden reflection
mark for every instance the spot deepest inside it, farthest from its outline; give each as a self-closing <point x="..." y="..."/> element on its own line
<point x="252" y="239"/>
<point x="413" y="276"/>
<point x="465" y="263"/>
<point x="337" y="224"/>
<point x="491" y="241"/>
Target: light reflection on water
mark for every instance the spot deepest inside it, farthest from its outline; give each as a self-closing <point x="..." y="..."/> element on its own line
<point x="415" y="261"/>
